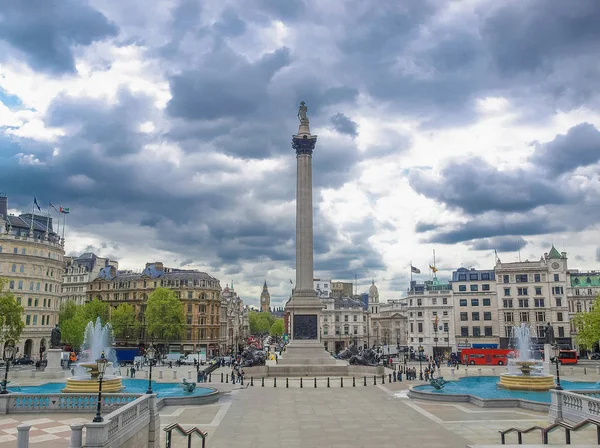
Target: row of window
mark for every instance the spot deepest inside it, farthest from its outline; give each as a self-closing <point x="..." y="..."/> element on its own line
<point x="47" y="303"/>
<point x="69" y="279"/>
<point x="474" y="288"/>
<point x="540" y="316"/>
<point x="33" y="320"/>
<point x="445" y="328"/>
<point x="524" y="303"/>
<point x="525" y="278"/>
<point x="475" y="332"/>
<point x="420" y="313"/>
<point x="474" y="276"/>
<point x="165" y="283"/>
<point x="338" y="330"/>
<point x="433" y="301"/>
<point x="475" y="316"/>
<point x="541" y="331"/>
<point x="346" y="318"/>
<point x="23" y="251"/>
<point x="475" y="302"/>
<point x="19" y="286"/>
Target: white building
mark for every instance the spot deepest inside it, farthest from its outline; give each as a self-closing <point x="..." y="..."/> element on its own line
<point x="81" y="271"/>
<point x="475" y="308"/>
<point x="323" y="287"/>
<point x="431" y="317"/>
<point x="582" y="290"/>
<point x="534" y="293"/>
<point x="388" y="325"/>
<point x="343" y="323"/>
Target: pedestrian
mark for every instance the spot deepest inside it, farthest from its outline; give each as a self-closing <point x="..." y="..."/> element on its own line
<point x="127" y="371"/>
<point x="132" y="372"/>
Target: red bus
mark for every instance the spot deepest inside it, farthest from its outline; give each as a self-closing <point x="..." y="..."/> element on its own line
<point x="485" y="356"/>
<point x="567" y="357"/>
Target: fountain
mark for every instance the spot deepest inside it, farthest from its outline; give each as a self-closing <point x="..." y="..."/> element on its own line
<point x="97" y="340"/>
<point x="525" y="372"/>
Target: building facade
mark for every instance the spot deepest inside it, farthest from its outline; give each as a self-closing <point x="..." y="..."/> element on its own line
<point x="475" y="308"/>
<point x="388" y="326"/>
<point x="430" y="317"/>
<point x="582" y="290"/>
<point x="32" y="261"/>
<point x="265" y="299"/>
<point x="199" y="292"/>
<point x="534" y="293"/>
<point x="343" y="323"/>
<point x="323" y="287"/>
<point x="342" y="289"/>
<point x="237" y="320"/>
<point x="79" y="272"/>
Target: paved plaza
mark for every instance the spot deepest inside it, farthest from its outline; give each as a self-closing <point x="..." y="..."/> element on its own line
<point x="361" y="416"/>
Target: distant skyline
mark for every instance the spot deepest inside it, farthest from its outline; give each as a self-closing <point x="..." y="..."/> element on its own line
<point x="464" y="127"/>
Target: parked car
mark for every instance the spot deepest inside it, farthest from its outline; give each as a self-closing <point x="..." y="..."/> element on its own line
<point x="595" y="356"/>
<point x="24" y="361"/>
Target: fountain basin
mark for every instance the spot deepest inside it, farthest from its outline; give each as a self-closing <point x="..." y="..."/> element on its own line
<point x="527" y="382"/>
<point x="78" y="384"/>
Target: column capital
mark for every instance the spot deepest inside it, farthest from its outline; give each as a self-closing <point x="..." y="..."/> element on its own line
<point x="304" y="144"/>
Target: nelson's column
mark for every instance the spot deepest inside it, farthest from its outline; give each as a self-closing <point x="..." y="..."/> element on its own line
<point x="304" y="307"/>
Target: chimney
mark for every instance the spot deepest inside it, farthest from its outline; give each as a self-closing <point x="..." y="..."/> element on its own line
<point x="3" y="205"/>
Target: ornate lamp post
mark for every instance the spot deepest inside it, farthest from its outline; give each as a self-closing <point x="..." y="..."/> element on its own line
<point x="421" y="350"/>
<point x="9" y="351"/>
<point x="101" y="363"/>
<point x="556" y="360"/>
<point x="150" y="352"/>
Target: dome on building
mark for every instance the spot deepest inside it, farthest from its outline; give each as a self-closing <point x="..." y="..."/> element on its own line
<point x="373" y="289"/>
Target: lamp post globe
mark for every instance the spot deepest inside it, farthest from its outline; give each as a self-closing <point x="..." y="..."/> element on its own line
<point x="556" y="360"/>
<point x="101" y="363"/>
<point x="150" y="352"/>
<point x="9" y="352"/>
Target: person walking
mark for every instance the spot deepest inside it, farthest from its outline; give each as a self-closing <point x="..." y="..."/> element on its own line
<point x="132" y="372"/>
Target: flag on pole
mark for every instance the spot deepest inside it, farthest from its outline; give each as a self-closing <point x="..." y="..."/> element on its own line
<point x="291" y="282"/>
<point x="35" y="202"/>
<point x="433" y="268"/>
<point x="64" y="210"/>
<point x="415" y="270"/>
<point x="55" y="209"/>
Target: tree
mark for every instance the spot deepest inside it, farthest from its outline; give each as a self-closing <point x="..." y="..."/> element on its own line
<point x="588" y="326"/>
<point x="165" y="319"/>
<point x="123" y="321"/>
<point x="11" y="316"/>
<point x="260" y="323"/>
<point x="277" y="329"/>
<point x="96" y="309"/>
<point x="72" y="322"/>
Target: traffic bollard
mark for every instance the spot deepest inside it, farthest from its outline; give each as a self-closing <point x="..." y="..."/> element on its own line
<point x="210" y="377"/>
<point x="300" y="383"/>
<point x="263" y="382"/>
<point x="221" y="376"/>
<point x="395" y="376"/>
<point x="241" y="380"/>
<point x="315" y="383"/>
<point x="365" y="380"/>
<point x="327" y="381"/>
<point x="251" y="381"/>
<point x="383" y="379"/>
<point x="227" y="379"/>
<point x="287" y="384"/>
<point x="342" y="382"/>
<point x="274" y="382"/>
<point x="390" y="377"/>
<point x="353" y="381"/>
<point x="374" y="380"/>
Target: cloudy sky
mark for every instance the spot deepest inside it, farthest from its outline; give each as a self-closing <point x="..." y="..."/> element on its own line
<point x="460" y="126"/>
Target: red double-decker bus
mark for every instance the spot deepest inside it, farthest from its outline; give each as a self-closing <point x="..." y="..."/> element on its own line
<point x="485" y="356"/>
<point x="567" y="357"/>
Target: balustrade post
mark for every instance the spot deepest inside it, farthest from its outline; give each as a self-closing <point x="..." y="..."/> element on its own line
<point x="23" y="435"/>
<point x="76" y="436"/>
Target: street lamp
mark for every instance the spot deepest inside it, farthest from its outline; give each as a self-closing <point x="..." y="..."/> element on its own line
<point x="9" y="351"/>
<point x="150" y="352"/>
<point x="556" y="360"/>
<point x="101" y="363"/>
<point x="421" y="350"/>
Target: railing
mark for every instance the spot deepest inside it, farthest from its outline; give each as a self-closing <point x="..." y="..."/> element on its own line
<point x="82" y="402"/>
<point x="574" y="406"/>
<point x="185" y="432"/>
<point x="544" y="432"/>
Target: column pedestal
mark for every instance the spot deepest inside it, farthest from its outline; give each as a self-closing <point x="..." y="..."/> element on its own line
<point x="54" y="357"/>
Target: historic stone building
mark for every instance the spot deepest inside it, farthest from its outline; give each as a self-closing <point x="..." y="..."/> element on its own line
<point x="265" y="299"/>
<point x="237" y="321"/>
<point x="32" y="260"/>
<point x="79" y="272"/>
<point x="199" y="292"/>
<point x="582" y="290"/>
<point x="388" y="326"/>
<point x="343" y="323"/>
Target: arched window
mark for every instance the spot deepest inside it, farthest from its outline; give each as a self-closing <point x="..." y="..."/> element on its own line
<point x="14" y="268"/>
<point x="15" y="250"/>
<point x="23" y="251"/>
<point x="22" y="269"/>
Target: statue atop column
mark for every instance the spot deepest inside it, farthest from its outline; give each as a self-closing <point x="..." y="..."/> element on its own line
<point x="302" y="113"/>
<point x="55" y="337"/>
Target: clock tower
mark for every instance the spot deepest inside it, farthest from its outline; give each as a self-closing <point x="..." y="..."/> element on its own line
<point x="265" y="299"/>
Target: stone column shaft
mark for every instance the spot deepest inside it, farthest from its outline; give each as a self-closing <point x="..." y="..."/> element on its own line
<point x="304" y="224"/>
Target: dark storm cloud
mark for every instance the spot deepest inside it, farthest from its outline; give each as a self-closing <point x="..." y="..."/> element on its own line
<point x="344" y="125"/>
<point x="475" y="186"/>
<point x="578" y="148"/>
<point x="230" y="24"/>
<point x="500" y="243"/>
<point x="47" y="31"/>
<point x="423" y="227"/>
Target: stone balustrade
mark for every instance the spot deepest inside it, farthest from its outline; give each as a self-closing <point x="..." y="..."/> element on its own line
<point x="574" y="406"/>
<point x="85" y="402"/>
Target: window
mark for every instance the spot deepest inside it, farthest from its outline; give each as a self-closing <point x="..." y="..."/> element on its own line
<point x="462" y="277"/>
<point x="464" y="331"/>
<point x="43" y="320"/>
<point x="445" y="301"/>
<point x="474" y="288"/>
<point x="475" y="316"/>
<point x="345" y="318"/>
<point x="474" y="302"/>
<point x="539" y="303"/>
<point x="346" y="329"/>
<point x="538" y="291"/>
<point x="508" y="317"/>
<point x="45" y="303"/>
<point x="578" y="306"/>
<point x="49" y="300"/>
<point x="485" y="287"/>
<point x="27" y="318"/>
<point x="487" y="315"/>
<point x="20" y="284"/>
<point x="420" y="327"/>
<point x="505" y="279"/>
<point x="31" y="286"/>
<point x="507" y="291"/>
<point x="521" y="278"/>
<point x="445" y="313"/>
<point x="35" y="319"/>
<point x="325" y="331"/>
<point x="355" y="318"/>
<point x="557" y="290"/>
<point x="558" y="302"/>
<point x="487" y="331"/>
<point x="508" y="303"/>
<point x="561" y="332"/>
<point x="524" y="315"/>
<point x="189" y="308"/>
<point x="411" y="328"/>
<point x="15" y="251"/>
<point x="541" y="331"/>
<point x="434" y="301"/>
<point x="419" y="302"/>
<point x="22" y="269"/>
<point x="37" y="286"/>
<point x="14" y="268"/>
<point x="419" y="313"/>
<point x="540" y="316"/>
<point x="473" y="276"/>
<point x="536" y="278"/>
<point x="485" y="276"/>
<point x="446" y="329"/>
<point x="462" y="302"/>
<point x="476" y="331"/>
<point x="523" y="303"/>
<point x="559" y="317"/>
<point x="521" y="291"/>
<point x="464" y="317"/>
<point x="487" y="302"/>
<point x="29" y="301"/>
<point x="556" y="278"/>
<point x="462" y="288"/>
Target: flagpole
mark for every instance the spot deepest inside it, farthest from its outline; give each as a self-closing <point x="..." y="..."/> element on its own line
<point x="31" y="226"/>
<point x="48" y="221"/>
<point x="411" y="285"/>
<point x="64" y="224"/>
<point x="435" y="271"/>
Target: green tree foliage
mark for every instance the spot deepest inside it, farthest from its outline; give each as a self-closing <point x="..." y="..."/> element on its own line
<point x="123" y="321"/>
<point x="165" y="319"/>
<point x="72" y="322"/>
<point x="11" y="320"/>
<point x="96" y="309"/>
<point x="277" y="329"/>
<point x="588" y="326"/>
<point x="260" y="323"/>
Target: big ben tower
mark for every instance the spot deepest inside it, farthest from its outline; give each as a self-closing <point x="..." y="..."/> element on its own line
<point x="265" y="299"/>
